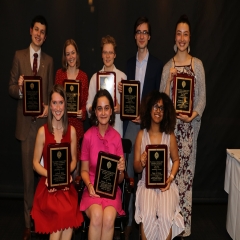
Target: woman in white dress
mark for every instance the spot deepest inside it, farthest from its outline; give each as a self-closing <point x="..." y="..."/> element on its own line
<point x="157" y="209"/>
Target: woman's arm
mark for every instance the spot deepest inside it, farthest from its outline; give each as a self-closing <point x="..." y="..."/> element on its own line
<point x="86" y="178"/>
<point x="200" y="88"/>
<point x="84" y="97"/>
<point x="91" y="93"/>
<point x="175" y="160"/>
<point x="38" y="149"/>
<point x="139" y="159"/>
<point x="73" y="149"/>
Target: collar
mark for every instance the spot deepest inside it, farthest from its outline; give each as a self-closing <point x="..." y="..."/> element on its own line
<point x="114" y="69"/>
<point x="32" y="52"/>
<point x="146" y="57"/>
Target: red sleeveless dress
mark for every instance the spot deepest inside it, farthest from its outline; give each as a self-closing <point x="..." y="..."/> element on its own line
<point x="59" y="210"/>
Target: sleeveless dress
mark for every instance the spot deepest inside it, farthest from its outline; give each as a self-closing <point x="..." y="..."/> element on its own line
<point x="76" y="122"/>
<point x="59" y="210"/>
<point x="158" y="211"/>
<point x="92" y="143"/>
<point x="184" y="133"/>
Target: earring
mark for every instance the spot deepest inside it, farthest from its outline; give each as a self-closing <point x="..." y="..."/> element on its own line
<point x="96" y="122"/>
<point x="188" y="49"/>
<point x="110" y="120"/>
<point x="175" y="48"/>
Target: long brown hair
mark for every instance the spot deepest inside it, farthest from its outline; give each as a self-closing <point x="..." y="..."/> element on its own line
<point x="57" y="88"/>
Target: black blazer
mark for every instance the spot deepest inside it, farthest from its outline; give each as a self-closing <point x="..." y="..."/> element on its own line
<point x="152" y="76"/>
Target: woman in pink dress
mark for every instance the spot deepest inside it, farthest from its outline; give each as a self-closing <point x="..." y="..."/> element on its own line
<point x="55" y="211"/>
<point x="71" y="70"/>
<point x="100" y="137"/>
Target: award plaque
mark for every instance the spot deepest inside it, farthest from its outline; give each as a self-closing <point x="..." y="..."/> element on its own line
<point x="130" y="99"/>
<point x="106" y="177"/>
<point x="58" y="159"/>
<point x="73" y="93"/>
<point x="156" y="165"/>
<point x="107" y="80"/>
<point x="183" y="86"/>
<point x="32" y="96"/>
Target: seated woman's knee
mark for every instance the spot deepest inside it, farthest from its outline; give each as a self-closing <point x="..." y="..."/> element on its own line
<point x="96" y="217"/>
<point x="109" y="219"/>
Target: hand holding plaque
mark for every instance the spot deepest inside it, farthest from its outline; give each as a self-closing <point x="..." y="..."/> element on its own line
<point x="32" y="96"/>
<point x="107" y="80"/>
<point x="73" y="93"/>
<point x="106" y="178"/>
<point x="156" y="166"/>
<point x="183" y="87"/>
<point x="130" y="99"/>
<point x="58" y="165"/>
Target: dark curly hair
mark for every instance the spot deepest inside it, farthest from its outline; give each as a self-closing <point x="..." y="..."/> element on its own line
<point x="102" y="93"/>
<point x="168" y="122"/>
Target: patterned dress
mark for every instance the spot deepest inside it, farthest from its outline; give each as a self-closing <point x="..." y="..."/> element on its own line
<point x="186" y="135"/>
<point x="157" y="210"/>
<point x="76" y="122"/>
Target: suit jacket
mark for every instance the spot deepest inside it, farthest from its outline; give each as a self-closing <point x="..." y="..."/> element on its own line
<point x="152" y="76"/>
<point x="21" y="65"/>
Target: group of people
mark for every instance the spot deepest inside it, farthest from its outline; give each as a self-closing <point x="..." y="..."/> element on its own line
<point x="163" y="213"/>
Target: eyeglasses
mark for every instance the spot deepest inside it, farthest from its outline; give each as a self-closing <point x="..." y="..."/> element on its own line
<point x="139" y="32"/>
<point x="105" y="53"/>
<point x="156" y="107"/>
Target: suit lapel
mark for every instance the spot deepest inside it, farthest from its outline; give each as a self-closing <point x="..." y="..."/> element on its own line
<point x="41" y="65"/>
<point x="26" y="61"/>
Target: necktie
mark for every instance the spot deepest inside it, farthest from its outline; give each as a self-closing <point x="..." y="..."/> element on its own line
<point x="35" y="64"/>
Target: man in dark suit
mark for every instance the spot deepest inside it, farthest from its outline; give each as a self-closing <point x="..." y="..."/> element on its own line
<point x="147" y="69"/>
<point x="27" y="126"/>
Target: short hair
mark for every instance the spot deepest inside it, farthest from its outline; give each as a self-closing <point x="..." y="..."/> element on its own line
<point x="58" y="88"/>
<point x="183" y="19"/>
<point x="40" y="19"/>
<point x="168" y="122"/>
<point x="109" y="40"/>
<point x="102" y="93"/>
<point x="64" y="62"/>
<point x="140" y="21"/>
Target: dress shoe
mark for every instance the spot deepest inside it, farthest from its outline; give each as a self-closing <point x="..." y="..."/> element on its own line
<point x="26" y="234"/>
<point x="128" y="231"/>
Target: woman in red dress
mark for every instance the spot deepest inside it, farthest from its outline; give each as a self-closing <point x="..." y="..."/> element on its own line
<point x="71" y="70"/>
<point x="55" y="211"/>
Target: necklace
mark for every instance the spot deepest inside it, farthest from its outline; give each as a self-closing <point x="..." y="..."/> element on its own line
<point x="57" y="127"/>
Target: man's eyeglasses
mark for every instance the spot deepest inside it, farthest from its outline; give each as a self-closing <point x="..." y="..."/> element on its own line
<point x="105" y="53"/>
<point x="156" y="107"/>
<point x="139" y="32"/>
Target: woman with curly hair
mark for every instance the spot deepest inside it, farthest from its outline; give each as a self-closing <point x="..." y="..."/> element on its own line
<point x="157" y="209"/>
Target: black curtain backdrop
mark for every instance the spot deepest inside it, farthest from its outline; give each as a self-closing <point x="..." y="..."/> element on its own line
<point x="214" y="40"/>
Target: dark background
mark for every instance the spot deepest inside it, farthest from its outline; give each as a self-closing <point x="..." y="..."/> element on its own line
<point x="215" y="40"/>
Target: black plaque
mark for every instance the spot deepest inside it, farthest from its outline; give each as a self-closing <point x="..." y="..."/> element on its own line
<point x="106" y="178"/>
<point x="58" y="165"/>
<point x="156" y="166"/>
<point x="107" y="80"/>
<point x="32" y="96"/>
<point x="73" y="93"/>
<point x="183" y="87"/>
<point x="130" y="99"/>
